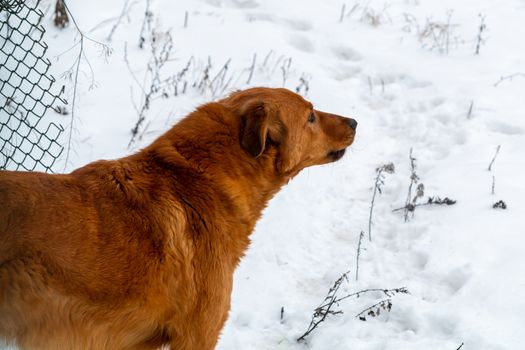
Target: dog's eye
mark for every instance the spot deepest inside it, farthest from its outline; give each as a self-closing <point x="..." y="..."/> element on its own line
<point x="311" y="117"/>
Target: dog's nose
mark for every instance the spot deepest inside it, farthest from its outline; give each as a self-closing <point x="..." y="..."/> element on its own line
<point x="352" y="123"/>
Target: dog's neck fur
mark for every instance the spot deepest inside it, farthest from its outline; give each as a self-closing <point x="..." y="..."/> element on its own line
<point x="219" y="162"/>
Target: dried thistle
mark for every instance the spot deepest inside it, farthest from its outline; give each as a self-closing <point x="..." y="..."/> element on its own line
<point x="331" y="300"/>
<point x="388" y="168"/>
<point x="430" y="201"/>
<point x="499" y="205"/>
<point x="410" y="204"/>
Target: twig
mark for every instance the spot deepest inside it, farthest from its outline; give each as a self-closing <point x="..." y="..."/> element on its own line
<point x="76" y="66"/>
<point x="387" y="292"/>
<point x="285" y="69"/>
<point x="361" y="235"/>
<point x="509" y="78"/>
<point x="390" y="169"/>
<point x="276" y="64"/>
<point x="186" y="19"/>
<point x="159" y="56"/>
<point x="125" y="9"/>
<point x="129" y="68"/>
<point x="252" y="68"/>
<point x="431" y="201"/>
<point x="268" y="55"/>
<point x="409" y="203"/>
<point x="218" y="80"/>
<point x="480" y="39"/>
<point x="469" y="113"/>
<point x="109" y="20"/>
<point x="460" y="346"/>
<point x="385" y="304"/>
<point x="436" y="34"/>
<point x="320" y="313"/>
<point x="304" y="83"/>
<point x="177" y="79"/>
<point x="494" y="158"/>
<point x="75" y="84"/>
<point x="146" y="22"/>
<point x="343" y="9"/>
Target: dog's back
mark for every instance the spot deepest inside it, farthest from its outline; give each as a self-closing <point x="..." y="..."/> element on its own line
<point x="22" y="238"/>
<point x="20" y="194"/>
<point x="65" y="254"/>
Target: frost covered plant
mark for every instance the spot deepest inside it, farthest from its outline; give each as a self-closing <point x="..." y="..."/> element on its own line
<point x="410" y="203"/>
<point x="439" y="201"/>
<point x="375" y="310"/>
<point x="331" y="301"/>
<point x="161" y="51"/>
<point x="388" y="168"/>
<point x="434" y="35"/>
<point x="385" y="304"/>
<point x="304" y="85"/>
<point x="430" y="201"/>
<point x="438" y="35"/>
<point x="367" y="14"/>
<point x="374" y="17"/>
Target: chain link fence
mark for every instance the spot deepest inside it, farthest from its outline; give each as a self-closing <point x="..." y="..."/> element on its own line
<point x="28" y="140"/>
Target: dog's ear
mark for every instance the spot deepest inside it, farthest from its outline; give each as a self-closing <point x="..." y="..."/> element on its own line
<point x="255" y="120"/>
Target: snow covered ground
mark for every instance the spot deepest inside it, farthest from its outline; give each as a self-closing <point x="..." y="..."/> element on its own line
<point x="408" y="72"/>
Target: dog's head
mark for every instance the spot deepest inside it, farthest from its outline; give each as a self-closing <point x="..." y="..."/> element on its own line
<point x="281" y="119"/>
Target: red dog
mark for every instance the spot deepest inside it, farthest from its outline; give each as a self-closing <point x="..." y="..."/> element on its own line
<point x="139" y="252"/>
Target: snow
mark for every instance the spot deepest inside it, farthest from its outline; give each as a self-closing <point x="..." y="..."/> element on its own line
<point x="463" y="264"/>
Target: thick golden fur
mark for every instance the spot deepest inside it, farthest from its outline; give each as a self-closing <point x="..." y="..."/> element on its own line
<point x="139" y="252"/>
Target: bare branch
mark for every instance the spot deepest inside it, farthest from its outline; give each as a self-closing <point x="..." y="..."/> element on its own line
<point x="331" y="299"/>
